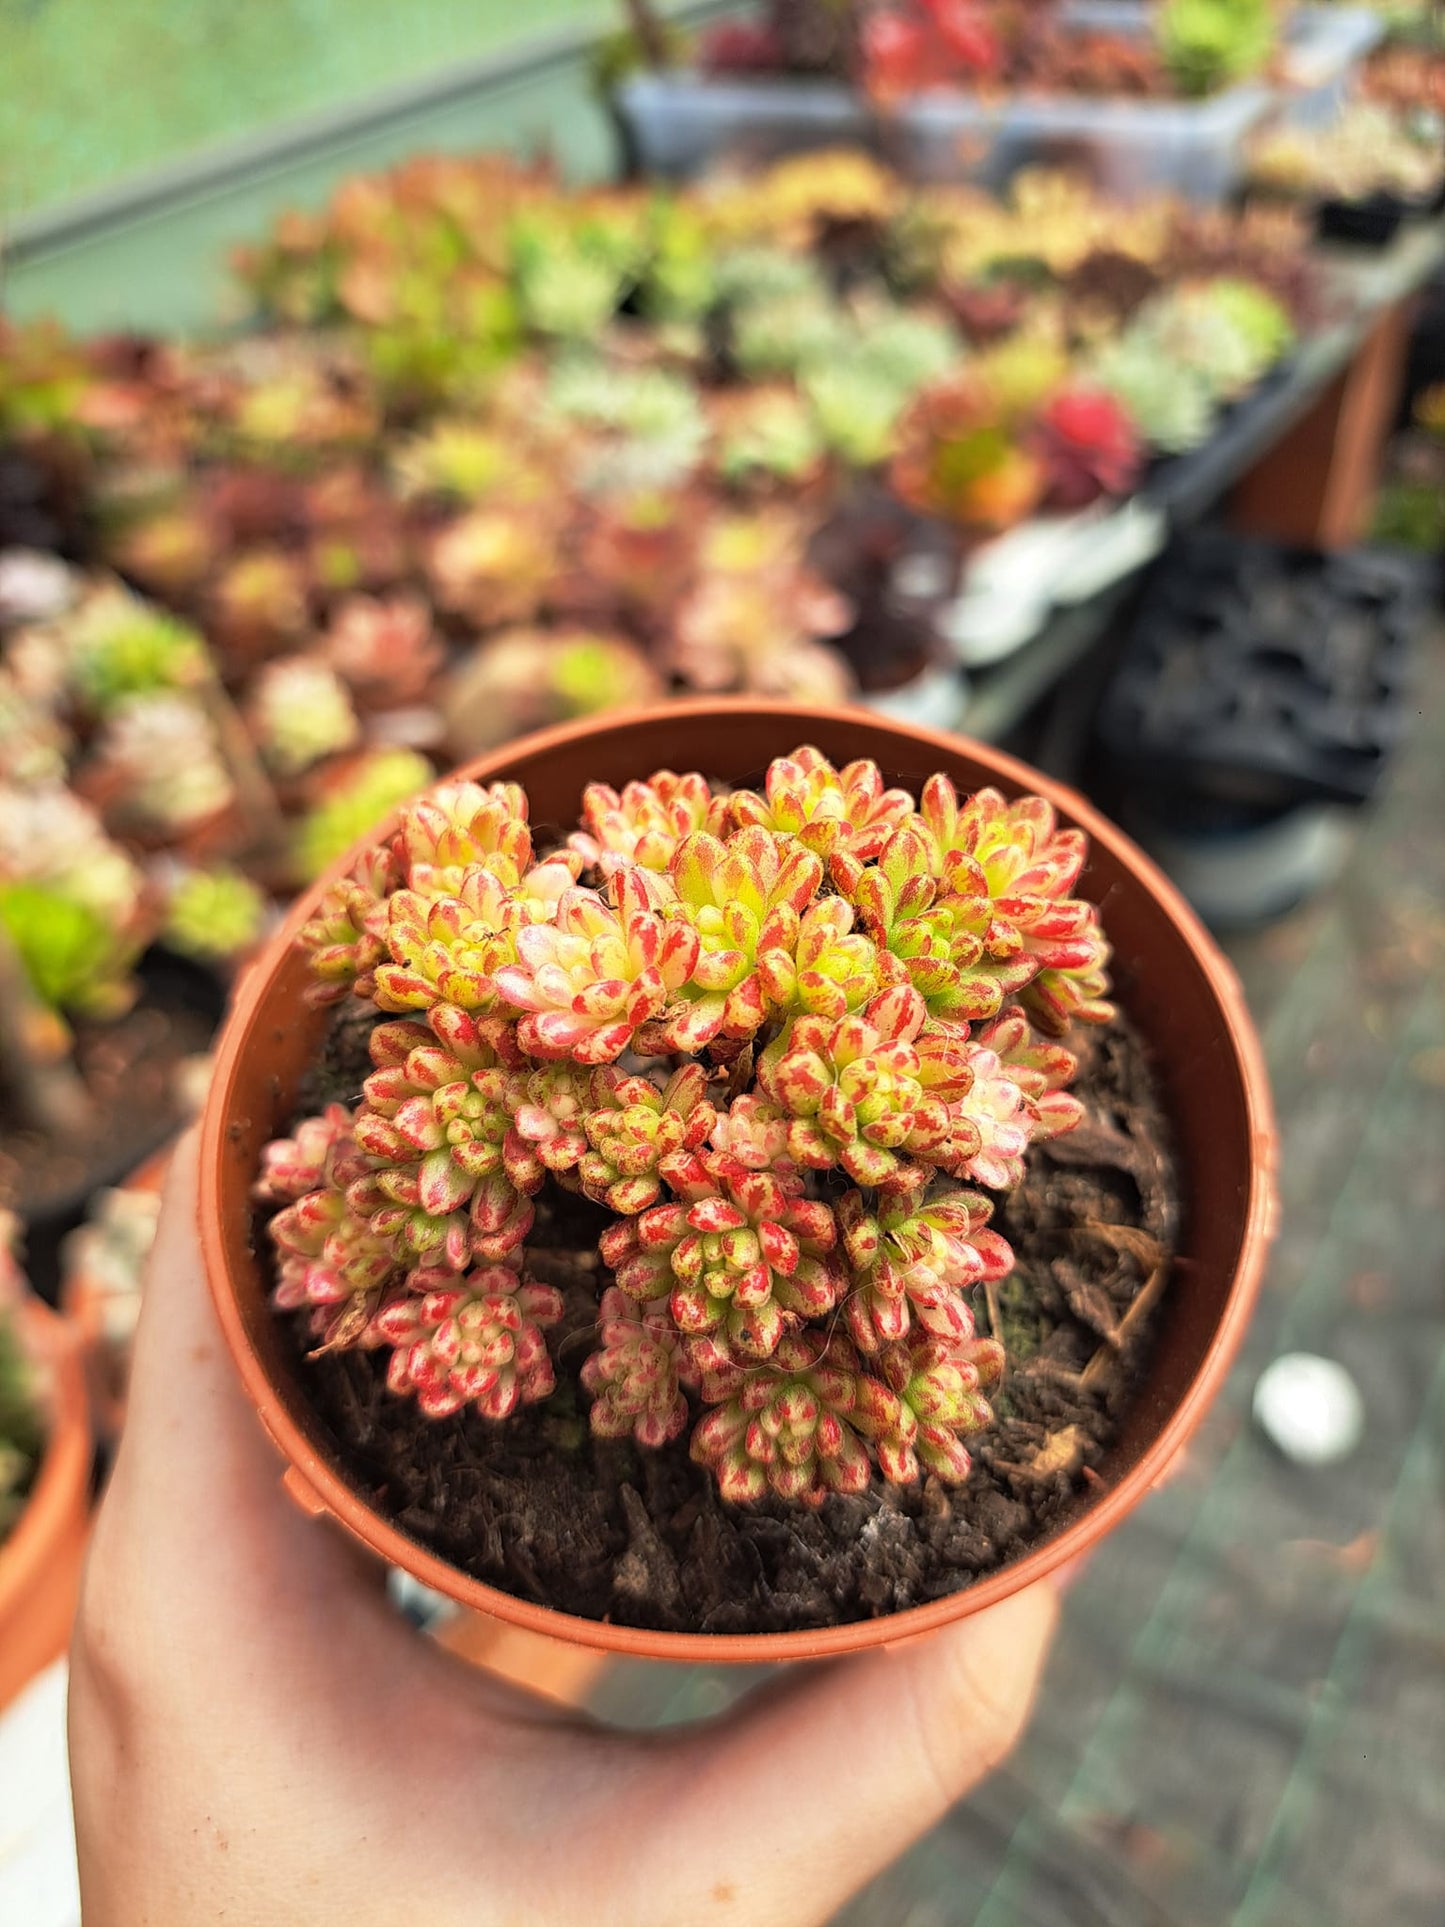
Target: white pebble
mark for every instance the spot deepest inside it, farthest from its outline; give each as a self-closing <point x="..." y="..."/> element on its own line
<point x="1310" y="1407"/>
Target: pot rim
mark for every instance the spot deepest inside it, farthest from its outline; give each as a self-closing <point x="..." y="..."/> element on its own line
<point x="321" y="1489"/>
<point x="51" y="1341"/>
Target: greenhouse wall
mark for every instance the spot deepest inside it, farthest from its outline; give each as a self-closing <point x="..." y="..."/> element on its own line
<point x="119" y="202"/>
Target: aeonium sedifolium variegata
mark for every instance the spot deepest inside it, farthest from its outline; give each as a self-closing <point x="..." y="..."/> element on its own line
<point x="790" y="1040"/>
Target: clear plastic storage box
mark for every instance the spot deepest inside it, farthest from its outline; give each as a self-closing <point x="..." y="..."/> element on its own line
<point x="677" y="123"/>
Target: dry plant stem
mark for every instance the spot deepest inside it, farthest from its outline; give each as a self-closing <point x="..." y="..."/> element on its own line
<point x="1130" y="1325"/>
<point x="44" y="1084"/>
<point x="256" y="799"/>
<point x="1148" y="1251"/>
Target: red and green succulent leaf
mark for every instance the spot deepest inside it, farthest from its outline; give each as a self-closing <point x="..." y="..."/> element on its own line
<point x="911" y="1257"/>
<point x="871" y="1091"/>
<point x="477" y="1341"/>
<point x="635" y="1128"/>
<point x="786" y="1427"/>
<point x="292" y="1166"/>
<point x="742" y="1256"/>
<point x="921" y="1399"/>
<point x="645" y="823"/>
<point x="637" y="1373"/>
<point x="346" y="937"/>
<point x="824" y="808"/>
<point x="442" y="836"/>
<point x="447" y="1171"/>
<point x="586" y="983"/>
<point x="743" y="901"/>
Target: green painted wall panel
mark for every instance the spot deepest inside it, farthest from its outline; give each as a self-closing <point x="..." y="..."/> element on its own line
<point x="92" y="91"/>
<point x="166" y="271"/>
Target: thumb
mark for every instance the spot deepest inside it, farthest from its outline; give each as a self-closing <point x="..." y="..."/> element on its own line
<point x="784" y="1809"/>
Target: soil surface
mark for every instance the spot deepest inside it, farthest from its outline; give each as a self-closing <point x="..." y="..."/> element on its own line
<point x="129" y="1069"/>
<point x="541" y="1509"/>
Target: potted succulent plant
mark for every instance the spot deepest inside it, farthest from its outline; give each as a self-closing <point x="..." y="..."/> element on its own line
<point x="848" y="995"/>
<point x="44" y="1480"/>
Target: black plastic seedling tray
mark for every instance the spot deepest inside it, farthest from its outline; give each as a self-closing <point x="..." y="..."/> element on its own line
<point x="1265" y="676"/>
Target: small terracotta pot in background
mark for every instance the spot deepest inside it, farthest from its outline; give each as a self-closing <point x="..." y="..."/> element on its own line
<point x="41" y="1559"/>
<point x="1173" y="982"/>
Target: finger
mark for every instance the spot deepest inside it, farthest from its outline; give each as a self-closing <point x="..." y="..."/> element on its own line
<point x="187" y="1421"/>
<point x="811" y="1790"/>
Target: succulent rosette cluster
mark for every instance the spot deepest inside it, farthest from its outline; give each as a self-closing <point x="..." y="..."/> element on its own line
<point x="791" y="1040"/>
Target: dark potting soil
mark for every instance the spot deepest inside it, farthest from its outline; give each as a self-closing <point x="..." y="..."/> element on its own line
<point x="599" y="1528"/>
<point x="130" y="1070"/>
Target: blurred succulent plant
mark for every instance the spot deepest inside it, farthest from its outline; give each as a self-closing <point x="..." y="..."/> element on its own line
<point x="258" y="604"/>
<point x="798" y="201"/>
<point x="360" y="797"/>
<point x="524" y="679"/>
<point x="756" y="612"/>
<point x="765" y="434"/>
<point x="51" y="837"/>
<point x="1224" y="332"/>
<point x="1088" y="446"/>
<point x="300" y="712"/>
<point x="121" y="647"/>
<point x="859" y="392"/>
<point x="785" y="333"/>
<point x="574" y="262"/>
<point x="1207" y="44"/>
<point x="73" y="908"/>
<point x="158" y="766"/>
<point x="649" y="421"/>
<point x="385" y="649"/>
<point x="457" y="460"/>
<point x="496" y="565"/>
<point x="1172" y="408"/>
<point x="34" y="586"/>
<point x="679" y="281"/>
<point x="960" y="457"/>
<point x="71" y="958"/>
<point x="214" y="915"/>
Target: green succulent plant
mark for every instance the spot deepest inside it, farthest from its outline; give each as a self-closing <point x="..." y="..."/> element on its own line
<point x="373" y="789"/>
<point x="776" y="434"/>
<point x="123" y="647"/>
<point x="680" y="281"/>
<point x="652" y="418"/>
<point x="570" y="272"/>
<point x="786" y="334"/>
<point x="214" y="914"/>
<point x="859" y="393"/>
<point x="1172" y="407"/>
<point x="1207" y="44"/>
<point x="744" y="276"/>
<point x="75" y="961"/>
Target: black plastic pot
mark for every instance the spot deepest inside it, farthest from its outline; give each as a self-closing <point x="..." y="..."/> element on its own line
<point x="1375" y="220"/>
<point x="1264" y="677"/>
<point x="169" y="983"/>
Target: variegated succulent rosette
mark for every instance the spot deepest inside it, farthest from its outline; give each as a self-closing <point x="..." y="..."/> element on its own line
<point x="791" y="1040"/>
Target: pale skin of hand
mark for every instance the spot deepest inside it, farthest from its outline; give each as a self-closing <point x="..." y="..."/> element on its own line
<point x="257" y="1738"/>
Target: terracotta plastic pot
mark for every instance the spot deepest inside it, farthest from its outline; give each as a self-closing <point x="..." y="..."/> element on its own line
<point x="1173" y="981"/>
<point x="40" y="1561"/>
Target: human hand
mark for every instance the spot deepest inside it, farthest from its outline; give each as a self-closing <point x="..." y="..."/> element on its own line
<point x="257" y="1737"/>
